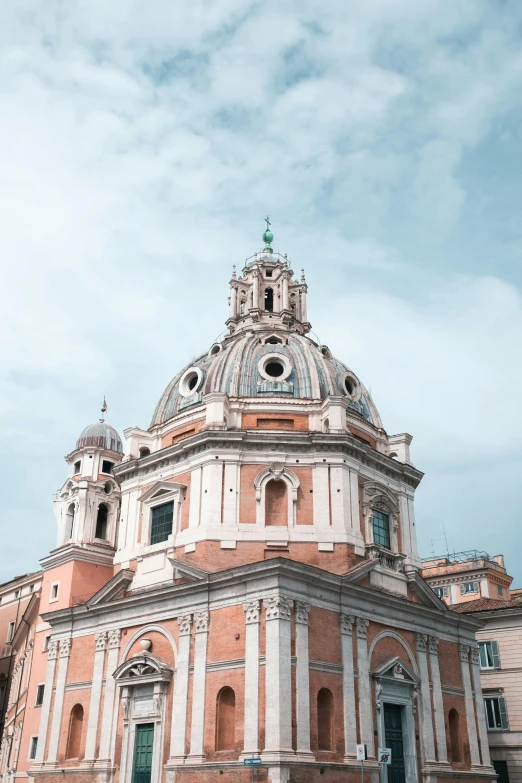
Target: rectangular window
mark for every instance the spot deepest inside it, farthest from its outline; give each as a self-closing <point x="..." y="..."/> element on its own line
<point x="442" y="592"/>
<point x="40" y="695"/>
<point x="31" y="588"/>
<point x="10" y="632"/>
<point x="32" y="747"/>
<point x="381" y="528"/>
<point x="107" y="466"/>
<point x="2" y="696"/>
<point x="500" y="590"/>
<point x="161" y="526"/>
<point x="17" y="593"/>
<point x="46" y="643"/>
<point x="77" y="467"/>
<point x="489" y="657"/>
<point x="469" y="587"/>
<point x="54" y="591"/>
<point x="496" y="713"/>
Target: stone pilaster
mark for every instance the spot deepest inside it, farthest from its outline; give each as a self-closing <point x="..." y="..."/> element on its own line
<point x="64" y="654"/>
<point x="201" y="620"/>
<point x="479" y="705"/>
<point x="350" y="726"/>
<point x="278" y="710"/>
<point x="464" y="650"/>
<point x="426" y="718"/>
<point x="108" y="728"/>
<point x="45" y="714"/>
<point x="179" y="702"/>
<point x="365" y="700"/>
<point x="100" y="641"/>
<point x="302" y="680"/>
<point x="440" y="731"/>
<point x="252" y="619"/>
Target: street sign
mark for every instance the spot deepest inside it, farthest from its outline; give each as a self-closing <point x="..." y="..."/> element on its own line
<point x="361" y="752"/>
<point x="254" y="762"/>
<point x="384" y="756"/>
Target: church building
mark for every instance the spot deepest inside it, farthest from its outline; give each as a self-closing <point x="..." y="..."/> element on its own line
<point x="241" y="581"/>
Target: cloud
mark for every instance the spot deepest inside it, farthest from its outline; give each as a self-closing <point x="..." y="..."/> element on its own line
<point x="141" y="149"/>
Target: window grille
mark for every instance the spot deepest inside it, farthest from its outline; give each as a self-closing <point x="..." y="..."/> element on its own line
<point x="381" y="528"/>
<point x="161" y="527"/>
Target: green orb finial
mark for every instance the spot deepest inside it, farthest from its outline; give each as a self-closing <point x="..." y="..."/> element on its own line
<point x="267" y="235"/>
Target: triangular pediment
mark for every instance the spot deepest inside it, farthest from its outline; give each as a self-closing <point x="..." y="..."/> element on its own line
<point x="160" y="489"/>
<point x="424" y="593"/>
<point x="397" y="669"/>
<point x="118" y="584"/>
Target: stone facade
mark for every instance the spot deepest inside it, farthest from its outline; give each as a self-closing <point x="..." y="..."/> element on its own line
<point x="258" y="589"/>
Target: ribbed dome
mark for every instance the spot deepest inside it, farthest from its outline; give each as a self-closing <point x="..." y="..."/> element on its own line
<point x="102" y="436"/>
<point x="265" y="364"/>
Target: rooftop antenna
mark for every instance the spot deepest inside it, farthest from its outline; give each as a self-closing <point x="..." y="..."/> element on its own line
<point x="446" y="539"/>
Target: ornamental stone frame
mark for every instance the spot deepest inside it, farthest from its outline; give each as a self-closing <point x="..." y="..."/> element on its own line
<point x="376" y="496"/>
<point x="276" y="472"/>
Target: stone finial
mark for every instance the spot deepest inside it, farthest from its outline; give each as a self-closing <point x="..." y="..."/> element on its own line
<point x="301" y="612"/>
<point x="100" y="640"/>
<point x="114" y="638"/>
<point x="201" y="620"/>
<point x="362" y="627"/>
<point x="278" y="607"/>
<point x="184" y="623"/>
<point x="252" y="611"/>
<point x="347" y="621"/>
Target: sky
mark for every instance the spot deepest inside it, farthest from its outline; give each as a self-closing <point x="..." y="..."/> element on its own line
<point x="142" y="146"/>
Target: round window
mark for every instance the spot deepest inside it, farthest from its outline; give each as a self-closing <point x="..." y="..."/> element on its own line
<point x="190" y="382"/>
<point x="107" y="488"/>
<point x="274" y="369"/>
<point x="351" y="386"/>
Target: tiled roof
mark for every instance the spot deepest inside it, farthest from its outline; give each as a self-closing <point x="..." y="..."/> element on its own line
<point x="486" y="605"/>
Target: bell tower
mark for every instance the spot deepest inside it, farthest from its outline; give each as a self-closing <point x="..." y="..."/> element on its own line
<point x="266" y="294"/>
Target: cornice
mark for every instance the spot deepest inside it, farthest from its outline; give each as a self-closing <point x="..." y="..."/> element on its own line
<point x="269" y="442"/>
<point x="65" y="554"/>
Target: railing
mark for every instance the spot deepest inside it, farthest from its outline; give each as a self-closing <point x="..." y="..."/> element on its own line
<point x="392" y="561"/>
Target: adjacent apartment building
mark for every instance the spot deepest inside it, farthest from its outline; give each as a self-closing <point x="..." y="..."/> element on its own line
<point x="475" y="584"/>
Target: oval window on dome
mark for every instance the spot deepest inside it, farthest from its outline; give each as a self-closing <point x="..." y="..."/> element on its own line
<point x="274" y="367"/>
<point x="351" y="386"/>
<point x="191" y="381"/>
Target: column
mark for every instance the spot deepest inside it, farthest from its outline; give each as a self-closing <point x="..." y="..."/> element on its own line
<point x="278" y="685"/>
<point x="303" y="306"/>
<point x="255" y="292"/>
<point x="302" y="681"/>
<point x="100" y="640"/>
<point x="464" y="650"/>
<point x="350" y="726"/>
<point x="108" y="727"/>
<point x="426" y="718"/>
<point x="251" y="740"/>
<point x="45" y="714"/>
<point x="479" y="706"/>
<point x="438" y="705"/>
<point x="233" y="301"/>
<point x="65" y="650"/>
<point x="365" y="699"/>
<point x="199" y="687"/>
<point x="284" y="305"/>
<point x="179" y="702"/>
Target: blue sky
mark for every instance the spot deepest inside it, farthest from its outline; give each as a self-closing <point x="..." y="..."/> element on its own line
<point x="143" y="143"/>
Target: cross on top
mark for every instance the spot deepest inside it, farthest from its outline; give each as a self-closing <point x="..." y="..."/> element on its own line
<point x="267" y="221"/>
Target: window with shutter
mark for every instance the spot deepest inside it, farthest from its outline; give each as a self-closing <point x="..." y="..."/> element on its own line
<point x="489" y="656"/>
<point x="496" y="713"/>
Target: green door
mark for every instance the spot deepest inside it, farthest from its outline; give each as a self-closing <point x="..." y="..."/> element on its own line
<point x="393" y="732"/>
<point x="143" y="753"/>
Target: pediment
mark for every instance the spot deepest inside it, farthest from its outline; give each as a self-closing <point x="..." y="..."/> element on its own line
<point x="397" y="669"/>
<point x="160" y="489"/>
<point x="424" y="593"/>
<point x="141" y="667"/>
<point x="117" y="584"/>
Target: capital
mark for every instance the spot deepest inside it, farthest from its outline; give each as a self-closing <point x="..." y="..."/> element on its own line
<point x="278" y="607"/>
<point x="475" y="655"/>
<point x="184" y="623"/>
<point x="347" y="621"/>
<point x="433" y="643"/>
<point x="422" y="640"/>
<point x="114" y="638"/>
<point x="464" y="652"/>
<point x="201" y="620"/>
<point x="252" y="611"/>
<point x="301" y="612"/>
<point x="100" y="640"/>
<point x="362" y="627"/>
<point x="65" y="647"/>
<point x="52" y="649"/>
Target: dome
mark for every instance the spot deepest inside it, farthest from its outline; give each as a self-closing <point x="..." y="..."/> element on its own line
<point x="266" y="364"/>
<point x="102" y="436"/>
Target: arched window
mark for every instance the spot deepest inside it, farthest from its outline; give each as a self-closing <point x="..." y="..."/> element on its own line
<point x="269" y="300"/>
<point x="144" y="451"/>
<point x="69" y="523"/>
<point x="324" y="720"/>
<point x="276" y="503"/>
<point x="226" y="719"/>
<point x="454" y="732"/>
<point x="101" y="522"/>
<point x="74" y="738"/>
